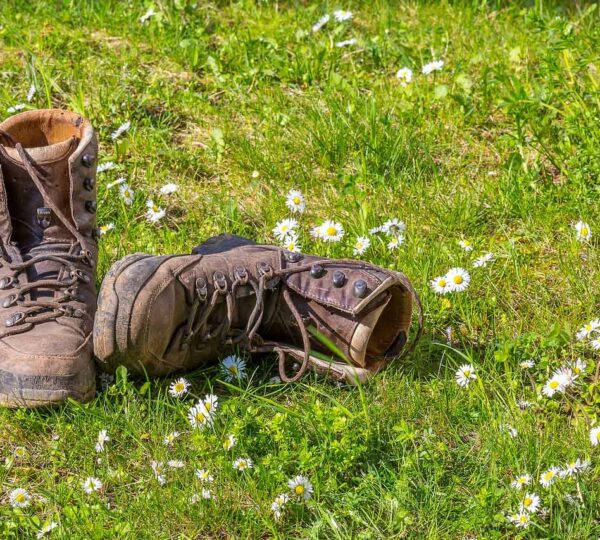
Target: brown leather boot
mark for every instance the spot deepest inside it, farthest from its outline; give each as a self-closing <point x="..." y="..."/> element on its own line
<point x="159" y="315"/>
<point x="48" y="258"/>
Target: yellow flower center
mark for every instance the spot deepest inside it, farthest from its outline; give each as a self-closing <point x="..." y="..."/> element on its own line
<point x="207" y="405"/>
<point x="200" y="417"/>
<point x="442" y="282"/>
<point x="577" y="370"/>
<point x="521" y="481"/>
<point x="467" y="372"/>
<point x="527" y="501"/>
<point x="20" y="498"/>
<point x="155" y="208"/>
<point x="523" y="519"/>
<point x="548" y="475"/>
<point x="584" y="231"/>
<point x="179" y="387"/>
<point x="598" y="436"/>
<point x="299" y="490"/>
<point x="588" y="327"/>
<point x="553" y="384"/>
<point x="233" y="370"/>
<point x="331" y="231"/>
<point x="242" y="464"/>
<point x="296" y="200"/>
<point x="457" y="279"/>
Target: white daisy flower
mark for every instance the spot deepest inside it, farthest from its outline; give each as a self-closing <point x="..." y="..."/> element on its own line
<point x="46" y="528"/>
<point x="345" y="43"/>
<point x="578" y="367"/>
<point x="329" y="231"/>
<point x="527" y="364"/>
<point x="199" y="417"/>
<point x="170" y="438"/>
<point x="465" y="374"/>
<point x="210" y="403"/>
<point x="435" y="65"/>
<point x="175" y="464"/>
<point x="393" y="226"/>
<point x="481" y="262"/>
<point x="15" y="108"/>
<point x="19" y="498"/>
<point x="466" y="245"/>
<point x="154" y="212"/>
<point x="376" y="230"/>
<point x="278" y="504"/>
<point x="521" y="520"/>
<point x="395" y="242"/>
<point x="530" y="503"/>
<point x="158" y="468"/>
<point x="30" y="93"/>
<point x="204" y="475"/>
<point x="103" y="229"/>
<point x="320" y="23"/>
<point x="255" y="174"/>
<point x="595" y="344"/>
<point x="284" y="228"/>
<point x="295" y="201"/>
<point x="340" y="15"/>
<point x="103" y="438"/>
<point x="233" y="368"/>
<point x="126" y="193"/>
<point x="583" y="231"/>
<point x="561" y="379"/>
<point x="147" y="15"/>
<point x="290" y="243"/>
<point x="91" y="484"/>
<point x="106" y="166"/>
<point x="405" y="76"/>
<point x="458" y="278"/>
<point x="510" y="430"/>
<point x="588" y="329"/>
<point x="595" y="436"/>
<point x="361" y="245"/>
<point x="520" y="481"/>
<point x="206" y="494"/>
<point x="440" y="285"/>
<point x="574" y="467"/>
<point x="179" y="387"/>
<point x="547" y="478"/>
<point x="229" y="442"/>
<point x="301" y="487"/>
<point x="241" y="464"/>
<point x="19" y="452"/>
<point x="120" y="130"/>
<point x="169" y="189"/>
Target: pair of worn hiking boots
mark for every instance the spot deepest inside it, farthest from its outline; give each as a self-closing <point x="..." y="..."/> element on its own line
<point x="160" y="315"/>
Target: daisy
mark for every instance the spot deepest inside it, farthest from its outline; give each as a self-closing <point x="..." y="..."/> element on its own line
<point x="583" y="231"/>
<point x="290" y="243"/>
<point x="510" y="430"/>
<point x="330" y="231"/>
<point x="19" y="498"/>
<point x="154" y="212"/>
<point x="320" y="23"/>
<point x="30" y="93"/>
<point x="255" y="174"/>
<point x="361" y="245"/>
<point x="530" y="503"/>
<point x="301" y="487"/>
<point x="278" y="504"/>
<point x="175" y="464"/>
<point x="241" y="464"/>
<point x="106" y="166"/>
<point x="126" y="193"/>
<point x="578" y="367"/>
<point x="147" y="15"/>
<point x="481" y="262"/>
<point x="340" y="15"/>
<point x="395" y="242"/>
<point x="179" y="387"/>
<point x="210" y="403"/>
<point x="404" y="75"/>
<point x="527" y="364"/>
<point x="102" y="439"/>
<point x="521" y="520"/>
<point x="158" y="468"/>
<point x="15" y="108"/>
<point x="295" y="201"/>
<point x="120" y="130"/>
<point x="465" y="374"/>
<point x="170" y="438"/>
<point x="595" y="436"/>
<point x="47" y="528"/>
<point x="520" y="481"/>
<point x="169" y="189"/>
<point x="458" y="278"/>
<point x="429" y="68"/>
<point x="103" y="229"/>
<point x="204" y="475"/>
<point x="376" y="230"/>
<point x="573" y="468"/>
<point x="595" y="344"/>
<point x="547" y="478"/>
<point x="19" y="452"/>
<point x="466" y="245"/>
<point x="587" y="329"/>
<point x="440" y="285"/>
<point x="346" y="43"/>
<point x="91" y="484"/>
<point x="199" y="417"/>
<point x="229" y="442"/>
<point x="233" y="368"/>
<point x="561" y="379"/>
<point x="284" y="227"/>
<point x="206" y="494"/>
<point x="524" y="404"/>
<point x="393" y="226"/>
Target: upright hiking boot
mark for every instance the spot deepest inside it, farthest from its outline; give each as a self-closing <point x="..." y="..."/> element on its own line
<point x="48" y="258"/>
<point x="159" y="315"/>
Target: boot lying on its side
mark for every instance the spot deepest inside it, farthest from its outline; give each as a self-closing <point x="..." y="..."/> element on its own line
<point x="159" y="315"/>
<point x="47" y="259"/>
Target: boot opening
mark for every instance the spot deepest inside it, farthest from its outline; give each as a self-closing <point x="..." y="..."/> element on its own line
<point x="35" y="129"/>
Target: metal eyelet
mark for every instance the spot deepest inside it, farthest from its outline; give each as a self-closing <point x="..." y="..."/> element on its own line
<point x="14" y="319"/>
<point x="201" y="288"/>
<point x="265" y="269"/>
<point x="220" y="282"/>
<point x="89" y="183"/>
<point x="338" y="279"/>
<point x="360" y="288"/>
<point x="90" y="206"/>
<point x="44" y="215"/>
<point x="6" y="282"/>
<point x="316" y="271"/>
<point x="10" y="301"/>
<point x="292" y="256"/>
<point x="87" y="160"/>
<point x="241" y="274"/>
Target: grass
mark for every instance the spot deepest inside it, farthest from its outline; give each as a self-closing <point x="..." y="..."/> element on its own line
<point x="499" y="147"/>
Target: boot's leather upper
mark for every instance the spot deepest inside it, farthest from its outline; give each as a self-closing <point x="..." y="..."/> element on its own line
<point x="48" y="257"/>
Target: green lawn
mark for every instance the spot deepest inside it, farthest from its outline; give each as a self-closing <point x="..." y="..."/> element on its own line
<point x="239" y="102"/>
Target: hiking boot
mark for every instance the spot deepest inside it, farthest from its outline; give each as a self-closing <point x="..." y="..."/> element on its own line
<point x="159" y="315"/>
<point x="48" y="258"/>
